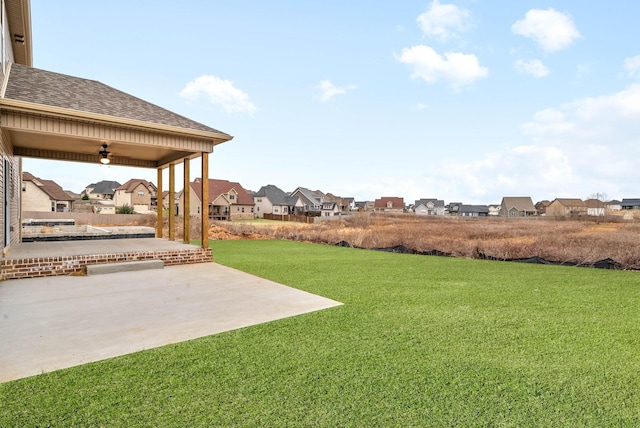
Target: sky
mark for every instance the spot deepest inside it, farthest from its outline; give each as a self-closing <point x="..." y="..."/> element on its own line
<point x="466" y="101"/>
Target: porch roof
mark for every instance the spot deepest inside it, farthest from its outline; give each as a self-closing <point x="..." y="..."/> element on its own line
<point x="55" y="116"/>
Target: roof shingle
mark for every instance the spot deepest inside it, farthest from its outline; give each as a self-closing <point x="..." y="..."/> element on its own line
<point x="47" y="88"/>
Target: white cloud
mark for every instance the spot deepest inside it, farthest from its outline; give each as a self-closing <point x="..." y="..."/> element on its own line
<point x="328" y="90"/>
<point x="572" y="150"/>
<point x="534" y="67"/>
<point x="607" y="118"/>
<point x="632" y="66"/>
<point x="220" y="92"/>
<point x="552" y="30"/>
<point x="456" y="68"/>
<point x="444" y="21"/>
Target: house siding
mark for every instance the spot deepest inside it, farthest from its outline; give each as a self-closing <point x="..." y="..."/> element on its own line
<point x="140" y="203"/>
<point x="12" y="192"/>
<point x="263" y="206"/>
<point x="566" y="208"/>
<point x="14" y="164"/>
<point x="34" y="199"/>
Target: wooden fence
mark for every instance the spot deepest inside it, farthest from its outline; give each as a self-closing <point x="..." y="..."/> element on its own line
<point x="289" y="217"/>
<point x="93" y="218"/>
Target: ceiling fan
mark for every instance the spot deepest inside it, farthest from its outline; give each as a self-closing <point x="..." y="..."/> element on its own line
<point x="105" y="155"/>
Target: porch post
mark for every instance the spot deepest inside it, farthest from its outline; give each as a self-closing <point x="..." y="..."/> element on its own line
<point x="186" y="202"/>
<point x="159" y="206"/>
<point x="172" y="202"/>
<point x="205" y="200"/>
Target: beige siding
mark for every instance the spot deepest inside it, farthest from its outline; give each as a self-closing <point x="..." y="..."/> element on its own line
<point x="34" y="199"/>
<point x="194" y="204"/>
<point x="12" y="192"/>
<point x="121" y="198"/>
<point x="241" y="212"/>
<point x="263" y="206"/>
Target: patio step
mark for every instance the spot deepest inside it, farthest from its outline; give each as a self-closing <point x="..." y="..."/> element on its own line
<point x="124" y="267"/>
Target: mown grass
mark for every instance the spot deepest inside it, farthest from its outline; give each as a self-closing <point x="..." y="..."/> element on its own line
<point x="419" y="341"/>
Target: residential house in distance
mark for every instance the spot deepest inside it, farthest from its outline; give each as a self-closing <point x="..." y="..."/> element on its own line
<point x="630" y="204"/>
<point x="429" y="207"/>
<point x="541" y="207"/>
<point x="494" y="210"/>
<point x="44" y="195"/>
<point x="228" y="200"/>
<point x="517" y="206"/>
<point x="452" y="208"/>
<point x="271" y="199"/>
<point x="364" y="206"/>
<point x="350" y="203"/>
<point x="596" y="207"/>
<point x="102" y="190"/>
<point x="473" y="211"/>
<point x="341" y="205"/>
<point x="567" y="207"/>
<point x="165" y="199"/>
<point x="137" y="193"/>
<point x="614" y="205"/>
<point x="330" y="209"/>
<point x="311" y="200"/>
<point x="389" y="204"/>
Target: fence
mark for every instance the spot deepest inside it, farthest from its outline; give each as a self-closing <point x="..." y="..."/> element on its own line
<point x="92" y="218"/>
<point x="289" y="217"/>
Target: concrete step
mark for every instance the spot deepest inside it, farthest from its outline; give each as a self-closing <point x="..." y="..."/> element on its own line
<point x="124" y="267"/>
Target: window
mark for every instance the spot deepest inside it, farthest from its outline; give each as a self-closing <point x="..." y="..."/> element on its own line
<point x="232" y="197"/>
<point x="140" y="193"/>
<point x="242" y="209"/>
<point x="259" y="200"/>
<point x="275" y="209"/>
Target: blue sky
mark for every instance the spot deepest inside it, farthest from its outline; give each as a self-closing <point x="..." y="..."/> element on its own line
<point x="465" y="101"/>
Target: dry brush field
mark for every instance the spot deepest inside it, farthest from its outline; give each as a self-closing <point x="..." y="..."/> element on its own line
<point x="562" y="241"/>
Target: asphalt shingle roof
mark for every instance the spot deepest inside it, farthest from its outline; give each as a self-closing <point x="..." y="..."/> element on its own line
<point x="47" y="88"/>
<point x="276" y="195"/>
<point x="220" y="187"/>
<point x="50" y="187"/>
<point x="105" y="187"/>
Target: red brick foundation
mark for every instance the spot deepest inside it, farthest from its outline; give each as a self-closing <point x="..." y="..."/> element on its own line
<point x="76" y="265"/>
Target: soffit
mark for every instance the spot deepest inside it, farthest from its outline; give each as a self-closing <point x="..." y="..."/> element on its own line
<point x="19" y="21"/>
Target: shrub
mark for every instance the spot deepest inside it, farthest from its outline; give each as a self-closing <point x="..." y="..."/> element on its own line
<point x="125" y="209"/>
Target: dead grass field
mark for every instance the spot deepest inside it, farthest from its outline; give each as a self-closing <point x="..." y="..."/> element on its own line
<point x="562" y="241"/>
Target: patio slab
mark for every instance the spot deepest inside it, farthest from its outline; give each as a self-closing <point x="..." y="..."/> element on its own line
<point x="52" y="323"/>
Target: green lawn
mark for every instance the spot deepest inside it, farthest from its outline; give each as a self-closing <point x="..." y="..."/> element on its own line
<point x="419" y="341"/>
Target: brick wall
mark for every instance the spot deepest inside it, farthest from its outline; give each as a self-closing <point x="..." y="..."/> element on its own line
<point x="76" y="265"/>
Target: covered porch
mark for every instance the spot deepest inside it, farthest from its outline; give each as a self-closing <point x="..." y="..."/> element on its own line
<point x="58" y="117"/>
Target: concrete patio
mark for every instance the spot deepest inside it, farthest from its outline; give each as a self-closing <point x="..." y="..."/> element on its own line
<point x="52" y="323"/>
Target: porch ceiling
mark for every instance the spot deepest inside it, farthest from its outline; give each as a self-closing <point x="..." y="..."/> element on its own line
<point x="75" y="148"/>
